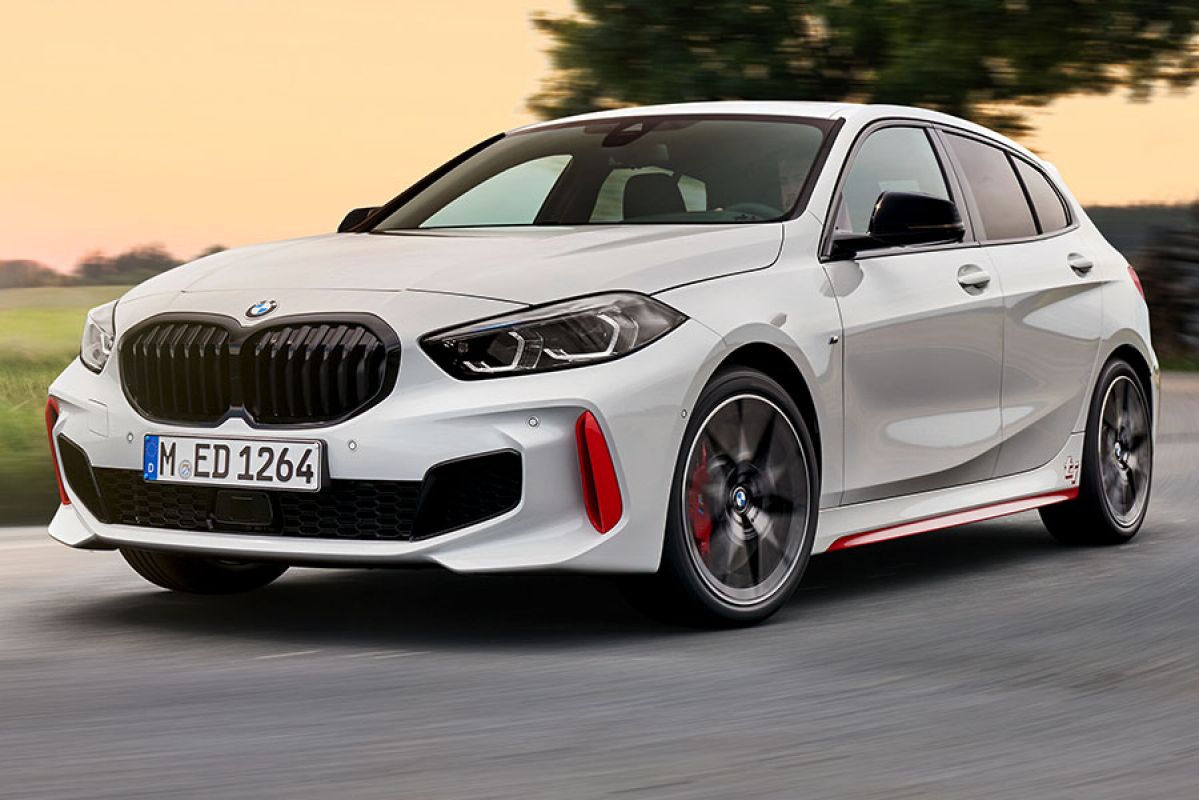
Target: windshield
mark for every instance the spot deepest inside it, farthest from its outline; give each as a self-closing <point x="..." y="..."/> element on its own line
<point x="624" y="171"/>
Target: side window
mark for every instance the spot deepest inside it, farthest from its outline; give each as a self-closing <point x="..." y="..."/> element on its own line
<point x="997" y="192"/>
<point x="511" y="197"/>
<point x="890" y="160"/>
<point x="1051" y="211"/>
<point x="609" y="204"/>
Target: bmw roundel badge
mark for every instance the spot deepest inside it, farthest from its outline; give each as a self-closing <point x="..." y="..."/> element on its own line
<point x="261" y="308"/>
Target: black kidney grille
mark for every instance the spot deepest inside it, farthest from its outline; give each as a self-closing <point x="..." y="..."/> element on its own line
<point x="299" y="373"/>
<point x="294" y="373"/>
<point x="179" y="370"/>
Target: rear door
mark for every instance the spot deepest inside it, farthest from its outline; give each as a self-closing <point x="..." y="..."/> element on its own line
<point x="1052" y="311"/>
<point x="923" y="334"/>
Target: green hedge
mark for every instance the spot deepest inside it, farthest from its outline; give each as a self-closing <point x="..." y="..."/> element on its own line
<point x="39" y="335"/>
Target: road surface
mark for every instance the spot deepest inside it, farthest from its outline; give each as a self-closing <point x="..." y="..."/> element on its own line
<point x="985" y="662"/>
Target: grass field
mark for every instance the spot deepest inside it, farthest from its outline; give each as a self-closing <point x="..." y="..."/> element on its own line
<point x="39" y="335"/>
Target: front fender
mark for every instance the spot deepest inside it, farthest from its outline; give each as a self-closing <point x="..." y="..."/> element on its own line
<point x="790" y="307"/>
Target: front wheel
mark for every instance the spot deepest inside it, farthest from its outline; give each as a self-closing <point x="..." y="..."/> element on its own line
<point x="1117" y="465"/>
<point x="742" y="513"/>
<point x="199" y="574"/>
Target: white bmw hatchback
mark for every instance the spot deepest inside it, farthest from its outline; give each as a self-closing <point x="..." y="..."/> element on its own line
<point x="696" y="343"/>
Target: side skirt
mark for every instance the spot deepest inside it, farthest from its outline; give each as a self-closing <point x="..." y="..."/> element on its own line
<point x="951" y="520"/>
<point x="893" y="518"/>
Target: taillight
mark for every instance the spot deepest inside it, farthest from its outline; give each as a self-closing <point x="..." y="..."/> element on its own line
<point x="52" y="414"/>
<point x="1136" y="281"/>
<point x="601" y="490"/>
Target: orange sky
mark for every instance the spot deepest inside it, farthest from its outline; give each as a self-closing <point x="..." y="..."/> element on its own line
<point x="232" y="121"/>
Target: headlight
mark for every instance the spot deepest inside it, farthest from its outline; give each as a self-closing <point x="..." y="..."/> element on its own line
<point x="574" y="333"/>
<point x="99" y="332"/>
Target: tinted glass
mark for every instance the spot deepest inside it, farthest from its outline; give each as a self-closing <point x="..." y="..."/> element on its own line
<point x="512" y="197"/>
<point x="1051" y="212"/>
<point x="609" y="206"/>
<point x="1001" y="202"/>
<point x="890" y="160"/>
<point x="651" y="170"/>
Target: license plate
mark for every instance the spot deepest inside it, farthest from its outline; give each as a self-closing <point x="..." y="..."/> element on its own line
<point x="261" y="463"/>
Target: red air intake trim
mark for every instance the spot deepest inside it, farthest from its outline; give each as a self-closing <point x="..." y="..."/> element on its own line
<point x="601" y="490"/>
<point x="52" y="414"/>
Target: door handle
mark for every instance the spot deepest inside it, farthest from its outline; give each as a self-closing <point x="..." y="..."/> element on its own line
<point x="1080" y="263"/>
<point x="973" y="278"/>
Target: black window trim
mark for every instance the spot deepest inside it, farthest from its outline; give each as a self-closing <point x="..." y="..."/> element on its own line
<point x="957" y="193"/>
<point x="1017" y="159"/>
<point x="1011" y="153"/>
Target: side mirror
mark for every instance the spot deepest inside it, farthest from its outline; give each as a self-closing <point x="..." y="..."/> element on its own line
<point x="902" y="219"/>
<point x="355" y="218"/>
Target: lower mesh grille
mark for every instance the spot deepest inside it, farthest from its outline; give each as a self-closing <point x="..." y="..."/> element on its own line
<point x="452" y="496"/>
<point x="363" y="510"/>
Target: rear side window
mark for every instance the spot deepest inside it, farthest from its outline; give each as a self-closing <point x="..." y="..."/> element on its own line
<point x="1051" y="211"/>
<point x="997" y="192"/>
<point x="890" y="160"/>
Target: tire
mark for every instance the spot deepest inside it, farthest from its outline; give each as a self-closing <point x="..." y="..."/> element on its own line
<point x="746" y="469"/>
<point x="200" y="575"/>
<point x="1117" y="465"/>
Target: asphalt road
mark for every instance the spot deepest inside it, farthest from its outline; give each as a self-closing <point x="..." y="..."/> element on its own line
<point x="986" y="662"/>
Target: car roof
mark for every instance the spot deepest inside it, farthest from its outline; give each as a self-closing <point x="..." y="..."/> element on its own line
<point x="860" y="113"/>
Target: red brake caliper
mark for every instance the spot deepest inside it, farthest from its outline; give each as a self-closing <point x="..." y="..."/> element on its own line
<point x="701" y="522"/>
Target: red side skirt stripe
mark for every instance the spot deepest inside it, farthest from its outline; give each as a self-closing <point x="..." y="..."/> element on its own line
<point x="953" y="520"/>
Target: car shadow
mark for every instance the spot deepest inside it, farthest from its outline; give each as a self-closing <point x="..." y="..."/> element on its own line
<point x="434" y="609"/>
<point x="917" y="562"/>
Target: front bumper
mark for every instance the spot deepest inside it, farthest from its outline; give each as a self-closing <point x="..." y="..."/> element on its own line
<point x="430" y="419"/>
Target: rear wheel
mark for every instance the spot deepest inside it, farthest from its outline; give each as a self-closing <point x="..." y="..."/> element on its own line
<point x="200" y="575"/>
<point x="1117" y="465"/>
<point x="742" y="512"/>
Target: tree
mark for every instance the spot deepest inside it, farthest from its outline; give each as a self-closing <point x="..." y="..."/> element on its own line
<point x="133" y="266"/>
<point x="22" y="273"/>
<point x="979" y="59"/>
<point x="1169" y="270"/>
<point x="211" y="250"/>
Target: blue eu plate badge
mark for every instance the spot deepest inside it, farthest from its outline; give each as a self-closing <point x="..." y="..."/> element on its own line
<point x="150" y="462"/>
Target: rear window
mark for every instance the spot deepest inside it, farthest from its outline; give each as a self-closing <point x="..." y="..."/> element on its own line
<point x="997" y="192"/>
<point x="1051" y="211"/>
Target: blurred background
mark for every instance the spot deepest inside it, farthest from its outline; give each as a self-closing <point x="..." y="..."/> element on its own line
<point x="138" y="135"/>
<point x="980" y="662"/>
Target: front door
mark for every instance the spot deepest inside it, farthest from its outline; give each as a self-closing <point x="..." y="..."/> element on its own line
<point x="922" y="340"/>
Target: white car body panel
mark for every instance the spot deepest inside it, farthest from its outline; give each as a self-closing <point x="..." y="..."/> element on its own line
<point x="928" y="401"/>
<point x="1051" y="343"/>
<point x="923" y="364"/>
<point x="530" y="266"/>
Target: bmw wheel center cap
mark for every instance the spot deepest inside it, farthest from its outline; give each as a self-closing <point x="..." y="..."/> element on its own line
<point x="261" y="308"/>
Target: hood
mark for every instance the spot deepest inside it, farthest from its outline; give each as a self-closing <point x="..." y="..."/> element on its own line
<point x="528" y="266"/>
